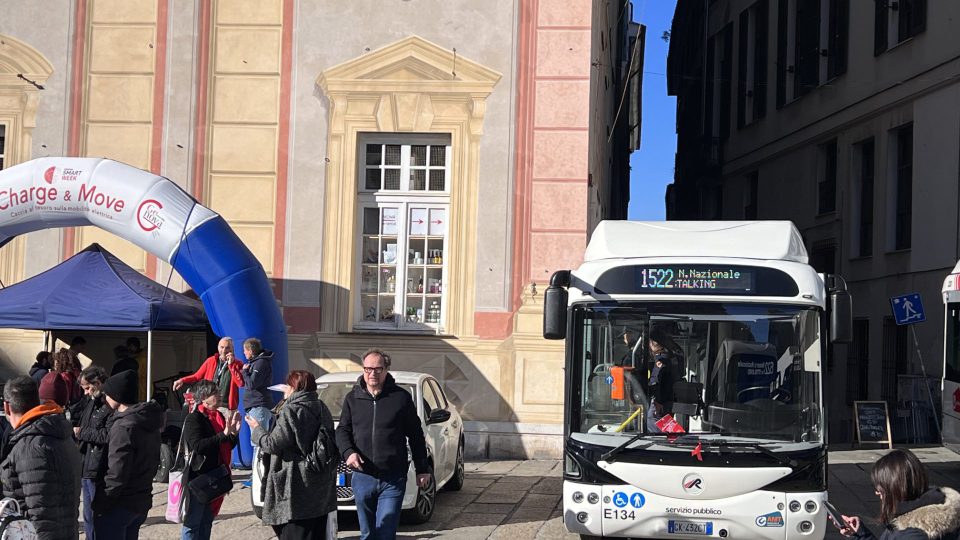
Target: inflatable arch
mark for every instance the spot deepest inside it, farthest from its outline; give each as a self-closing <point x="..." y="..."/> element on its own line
<point x="160" y="217"/>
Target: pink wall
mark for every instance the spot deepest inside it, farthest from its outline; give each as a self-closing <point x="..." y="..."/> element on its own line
<point x="553" y="103"/>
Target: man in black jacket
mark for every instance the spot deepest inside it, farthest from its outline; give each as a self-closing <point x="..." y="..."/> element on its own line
<point x="92" y="432"/>
<point x="125" y="496"/>
<point x="377" y="421"/>
<point x="257" y="377"/>
<point x="41" y="467"/>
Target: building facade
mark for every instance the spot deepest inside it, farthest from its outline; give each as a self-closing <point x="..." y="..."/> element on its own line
<point x="408" y="173"/>
<point x="843" y="117"/>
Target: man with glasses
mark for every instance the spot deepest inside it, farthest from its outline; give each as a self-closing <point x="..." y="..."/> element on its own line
<point x="377" y="421"/>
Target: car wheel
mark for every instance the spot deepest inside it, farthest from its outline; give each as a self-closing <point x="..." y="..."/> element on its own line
<point x="257" y="510"/>
<point x="456" y="481"/>
<point x="423" y="507"/>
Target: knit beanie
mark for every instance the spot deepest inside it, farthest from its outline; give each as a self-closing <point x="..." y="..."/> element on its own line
<point x="123" y="387"/>
<point x="54" y="388"/>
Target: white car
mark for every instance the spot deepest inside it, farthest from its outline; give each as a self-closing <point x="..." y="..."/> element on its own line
<point x="442" y="428"/>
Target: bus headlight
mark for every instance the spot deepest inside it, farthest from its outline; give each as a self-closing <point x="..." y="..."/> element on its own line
<point x="794" y="506"/>
<point x="582" y="517"/>
<point x="810" y="507"/>
<point x="577" y="497"/>
<point x="593" y="498"/>
<point x="570" y="467"/>
<point x="805" y="527"/>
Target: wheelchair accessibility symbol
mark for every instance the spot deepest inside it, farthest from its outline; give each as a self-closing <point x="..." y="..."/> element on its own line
<point x="620" y="499"/>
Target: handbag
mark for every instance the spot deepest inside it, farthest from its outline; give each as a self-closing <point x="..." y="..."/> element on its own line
<point x="211" y="484"/>
<point x="13" y="524"/>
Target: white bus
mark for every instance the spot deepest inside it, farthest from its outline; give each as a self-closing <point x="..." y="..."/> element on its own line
<point x="950" y="429"/>
<point x="693" y="392"/>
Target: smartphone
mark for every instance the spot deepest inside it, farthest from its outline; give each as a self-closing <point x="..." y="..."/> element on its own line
<point x="834" y="515"/>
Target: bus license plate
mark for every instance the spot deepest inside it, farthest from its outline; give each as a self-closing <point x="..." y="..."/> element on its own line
<point x="690" y="527"/>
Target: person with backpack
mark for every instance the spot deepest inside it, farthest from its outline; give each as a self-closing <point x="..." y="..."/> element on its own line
<point x="41" y="466"/>
<point x="300" y="461"/>
<point x="209" y="438"/>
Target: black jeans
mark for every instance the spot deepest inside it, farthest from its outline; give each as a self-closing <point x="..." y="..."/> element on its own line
<point x="302" y="529"/>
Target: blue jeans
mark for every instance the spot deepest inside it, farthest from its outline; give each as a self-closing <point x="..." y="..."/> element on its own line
<point x="89" y="489"/>
<point x="197" y="522"/>
<point x="378" y="504"/>
<point x="263" y="416"/>
<point x="119" y="524"/>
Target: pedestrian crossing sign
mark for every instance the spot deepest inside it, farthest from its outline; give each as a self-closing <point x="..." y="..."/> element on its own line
<point x="907" y="309"/>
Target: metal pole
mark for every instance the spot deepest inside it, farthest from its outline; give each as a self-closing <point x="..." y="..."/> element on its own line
<point x="149" y="364"/>
<point x="923" y="370"/>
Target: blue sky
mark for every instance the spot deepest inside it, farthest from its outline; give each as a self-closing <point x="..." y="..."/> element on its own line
<point x="652" y="165"/>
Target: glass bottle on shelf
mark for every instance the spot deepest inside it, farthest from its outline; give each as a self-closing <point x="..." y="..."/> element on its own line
<point x="420" y="285"/>
<point x="433" y="314"/>
<point x="391" y="284"/>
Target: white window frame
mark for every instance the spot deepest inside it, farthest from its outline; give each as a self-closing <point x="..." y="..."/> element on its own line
<point x="403" y="200"/>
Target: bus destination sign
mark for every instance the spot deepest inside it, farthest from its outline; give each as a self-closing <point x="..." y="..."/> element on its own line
<point x="719" y="279"/>
<point x="693" y="279"/>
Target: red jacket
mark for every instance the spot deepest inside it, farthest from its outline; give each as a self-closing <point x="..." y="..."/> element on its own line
<point x="209" y="369"/>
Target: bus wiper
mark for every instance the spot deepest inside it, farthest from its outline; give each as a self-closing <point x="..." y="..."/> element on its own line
<point x="723" y="443"/>
<point x="609" y="456"/>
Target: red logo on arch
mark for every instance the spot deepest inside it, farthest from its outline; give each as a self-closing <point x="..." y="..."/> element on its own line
<point x="48" y="174"/>
<point x="148" y="215"/>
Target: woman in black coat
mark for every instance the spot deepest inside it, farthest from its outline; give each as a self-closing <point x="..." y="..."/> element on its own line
<point x="909" y="509"/>
<point x="209" y="439"/>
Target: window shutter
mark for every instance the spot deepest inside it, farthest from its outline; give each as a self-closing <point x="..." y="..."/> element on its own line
<point x="760" y="61"/>
<point x="839" y="36"/>
<point x="807" y="74"/>
<point x="726" y="83"/>
<point x="781" y="53"/>
<point x="919" y="22"/>
<point x="742" y="68"/>
<point x="879" y="27"/>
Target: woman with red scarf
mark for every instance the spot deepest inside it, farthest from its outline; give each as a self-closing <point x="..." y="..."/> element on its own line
<point x="209" y="439"/>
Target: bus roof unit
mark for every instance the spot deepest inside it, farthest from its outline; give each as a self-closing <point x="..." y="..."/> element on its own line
<point x="762" y="240"/>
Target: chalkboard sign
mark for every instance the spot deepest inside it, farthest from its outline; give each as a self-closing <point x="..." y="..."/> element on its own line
<point x="873" y="422"/>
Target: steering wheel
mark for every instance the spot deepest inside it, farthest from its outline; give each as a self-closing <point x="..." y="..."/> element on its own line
<point x="752" y="389"/>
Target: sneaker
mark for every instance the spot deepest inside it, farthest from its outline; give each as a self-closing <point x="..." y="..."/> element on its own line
<point x="247" y="483"/>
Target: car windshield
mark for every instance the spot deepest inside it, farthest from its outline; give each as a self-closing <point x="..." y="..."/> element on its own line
<point x="736" y="369"/>
<point x="332" y="394"/>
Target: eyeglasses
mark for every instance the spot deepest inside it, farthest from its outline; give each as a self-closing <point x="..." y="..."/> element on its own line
<point x="377" y="370"/>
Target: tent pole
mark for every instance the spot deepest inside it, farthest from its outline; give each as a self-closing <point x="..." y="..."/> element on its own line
<point x="149" y="364"/>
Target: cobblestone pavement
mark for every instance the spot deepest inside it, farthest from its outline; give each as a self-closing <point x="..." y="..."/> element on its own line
<point x="521" y="500"/>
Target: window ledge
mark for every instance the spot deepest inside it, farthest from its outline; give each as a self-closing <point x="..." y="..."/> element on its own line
<point x="858" y="258"/>
<point x="896" y="251"/>
<point x="397" y="332"/>
<point x="901" y="43"/>
<point x="827" y="213"/>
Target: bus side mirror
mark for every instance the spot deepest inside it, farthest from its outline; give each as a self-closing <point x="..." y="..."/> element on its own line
<point x="841" y="317"/>
<point x="555" y="313"/>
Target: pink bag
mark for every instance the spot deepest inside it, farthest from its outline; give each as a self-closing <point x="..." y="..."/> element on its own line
<point x="176" y="493"/>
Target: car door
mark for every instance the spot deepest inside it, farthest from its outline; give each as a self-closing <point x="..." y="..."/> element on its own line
<point x="434" y="431"/>
<point x="451" y="431"/>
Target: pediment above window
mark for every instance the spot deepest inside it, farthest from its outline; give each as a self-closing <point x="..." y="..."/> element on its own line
<point x="18" y="58"/>
<point x="412" y="64"/>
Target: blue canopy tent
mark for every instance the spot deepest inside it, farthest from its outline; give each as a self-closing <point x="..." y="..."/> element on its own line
<point x="94" y="290"/>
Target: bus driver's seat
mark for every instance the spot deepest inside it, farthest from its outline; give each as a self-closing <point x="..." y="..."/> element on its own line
<point x="744" y="370"/>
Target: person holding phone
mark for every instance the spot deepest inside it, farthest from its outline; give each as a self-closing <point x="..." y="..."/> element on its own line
<point x="224" y="370"/>
<point x="909" y="508"/>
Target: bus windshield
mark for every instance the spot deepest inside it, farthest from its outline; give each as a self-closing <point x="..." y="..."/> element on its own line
<point x="736" y="369"/>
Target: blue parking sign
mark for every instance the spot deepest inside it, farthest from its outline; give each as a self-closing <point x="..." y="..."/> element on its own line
<point x="907" y="309"/>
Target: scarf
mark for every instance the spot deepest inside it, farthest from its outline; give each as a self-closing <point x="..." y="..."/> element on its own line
<point x="219" y="423"/>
